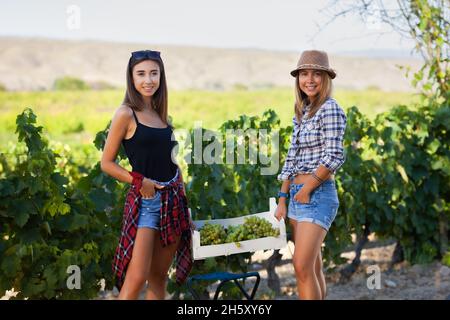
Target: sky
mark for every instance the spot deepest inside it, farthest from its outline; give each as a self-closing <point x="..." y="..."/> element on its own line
<point x="282" y="25"/>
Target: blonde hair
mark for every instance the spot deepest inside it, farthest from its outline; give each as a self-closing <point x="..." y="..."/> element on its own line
<point x="302" y="100"/>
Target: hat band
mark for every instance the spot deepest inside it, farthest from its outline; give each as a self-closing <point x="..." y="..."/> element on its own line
<point x="312" y="65"/>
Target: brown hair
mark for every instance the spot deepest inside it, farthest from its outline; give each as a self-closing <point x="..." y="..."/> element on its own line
<point x="133" y="98"/>
<point x="302" y="100"/>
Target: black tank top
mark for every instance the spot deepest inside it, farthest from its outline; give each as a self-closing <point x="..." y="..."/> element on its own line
<point x="149" y="151"/>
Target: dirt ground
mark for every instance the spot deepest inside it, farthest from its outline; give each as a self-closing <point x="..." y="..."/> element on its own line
<point x="404" y="281"/>
<point x="417" y="282"/>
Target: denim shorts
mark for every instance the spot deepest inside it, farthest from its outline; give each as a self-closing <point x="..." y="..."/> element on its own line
<point x="322" y="207"/>
<point x="150" y="209"/>
<point x="150" y="212"/>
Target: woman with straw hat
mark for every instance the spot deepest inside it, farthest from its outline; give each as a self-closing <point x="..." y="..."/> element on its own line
<point x="315" y="154"/>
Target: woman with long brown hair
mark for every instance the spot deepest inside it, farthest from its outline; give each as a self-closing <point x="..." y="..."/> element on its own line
<point x="156" y="222"/>
<point x="315" y="154"/>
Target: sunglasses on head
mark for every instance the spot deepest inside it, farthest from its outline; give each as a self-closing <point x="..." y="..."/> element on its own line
<point x="145" y="54"/>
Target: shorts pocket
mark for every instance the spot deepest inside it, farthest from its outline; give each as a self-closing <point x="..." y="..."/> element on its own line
<point x="151" y="203"/>
<point x="313" y="199"/>
<point x="154" y="196"/>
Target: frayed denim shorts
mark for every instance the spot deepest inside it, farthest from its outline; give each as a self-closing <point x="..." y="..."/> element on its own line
<point x="322" y="207"/>
<point x="150" y="212"/>
<point x="150" y="209"/>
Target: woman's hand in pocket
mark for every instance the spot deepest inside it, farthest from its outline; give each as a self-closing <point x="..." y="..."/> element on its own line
<point x="303" y="196"/>
<point x="148" y="188"/>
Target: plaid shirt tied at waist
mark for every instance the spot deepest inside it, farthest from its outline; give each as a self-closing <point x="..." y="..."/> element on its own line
<point x="175" y="222"/>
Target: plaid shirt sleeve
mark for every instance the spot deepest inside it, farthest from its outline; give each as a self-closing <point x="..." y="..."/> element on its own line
<point x="290" y="157"/>
<point x="333" y="123"/>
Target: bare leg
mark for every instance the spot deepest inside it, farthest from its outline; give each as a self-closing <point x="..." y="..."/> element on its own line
<point x="157" y="278"/>
<point x="308" y="240"/>
<point x="320" y="276"/>
<point x="139" y="265"/>
<point x="318" y="264"/>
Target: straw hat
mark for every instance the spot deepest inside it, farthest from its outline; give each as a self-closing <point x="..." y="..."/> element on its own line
<point x="316" y="60"/>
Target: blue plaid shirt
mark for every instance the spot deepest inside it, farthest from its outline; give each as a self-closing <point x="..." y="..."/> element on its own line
<point x="316" y="141"/>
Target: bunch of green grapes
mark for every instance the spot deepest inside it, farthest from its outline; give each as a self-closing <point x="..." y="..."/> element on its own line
<point x="235" y="234"/>
<point x="253" y="228"/>
<point x="212" y="234"/>
<point x="257" y="227"/>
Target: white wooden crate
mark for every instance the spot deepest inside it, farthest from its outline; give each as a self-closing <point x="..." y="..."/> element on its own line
<point x="266" y="243"/>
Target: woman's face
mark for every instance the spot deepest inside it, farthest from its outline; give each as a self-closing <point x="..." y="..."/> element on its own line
<point x="146" y="75"/>
<point x="310" y="82"/>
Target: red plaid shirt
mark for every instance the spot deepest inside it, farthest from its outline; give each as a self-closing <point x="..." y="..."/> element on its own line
<point x="175" y="221"/>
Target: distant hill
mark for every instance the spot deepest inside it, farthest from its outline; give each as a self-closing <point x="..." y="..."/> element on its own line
<point x="34" y="64"/>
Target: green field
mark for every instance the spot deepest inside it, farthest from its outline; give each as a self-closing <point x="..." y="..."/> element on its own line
<point x="73" y="117"/>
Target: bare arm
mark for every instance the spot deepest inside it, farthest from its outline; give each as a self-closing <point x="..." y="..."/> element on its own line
<point x="280" y="212"/>
<point x="323" y="173"/>
<point x="117" y="131"/>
